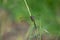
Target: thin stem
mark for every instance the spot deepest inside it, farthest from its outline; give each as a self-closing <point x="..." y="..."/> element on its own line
<point x="32" y="19"/>
<point x="27" y="7"/>
<point x="31" y="15"/>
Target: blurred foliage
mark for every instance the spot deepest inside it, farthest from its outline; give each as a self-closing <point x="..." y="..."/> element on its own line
<point x="46" y="13"/>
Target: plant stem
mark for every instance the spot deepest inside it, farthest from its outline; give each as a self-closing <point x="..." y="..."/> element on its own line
<point x="27" y="7"/>
<point x="32" y="18"/>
